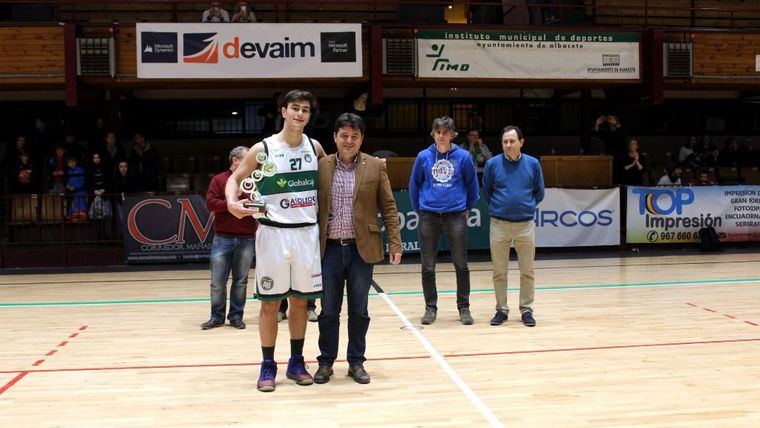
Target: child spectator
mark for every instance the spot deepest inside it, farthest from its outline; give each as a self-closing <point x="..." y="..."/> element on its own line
<point x="75" y="186"/>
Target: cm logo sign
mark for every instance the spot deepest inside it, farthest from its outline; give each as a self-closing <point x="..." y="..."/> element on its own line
<point x="663" y="201"/>
<point x="160" y="223"/>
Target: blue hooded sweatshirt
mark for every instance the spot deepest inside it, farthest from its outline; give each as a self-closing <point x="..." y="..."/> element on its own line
<point x="443" y="182"/>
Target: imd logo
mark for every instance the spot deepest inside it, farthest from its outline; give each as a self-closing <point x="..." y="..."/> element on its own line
<point x="200" y="48"/>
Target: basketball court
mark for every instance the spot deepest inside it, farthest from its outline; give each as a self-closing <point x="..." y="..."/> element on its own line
<point x="660" y="340"/>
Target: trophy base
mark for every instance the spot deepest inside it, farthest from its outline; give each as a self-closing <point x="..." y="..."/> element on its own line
<point x="259" y="207"/>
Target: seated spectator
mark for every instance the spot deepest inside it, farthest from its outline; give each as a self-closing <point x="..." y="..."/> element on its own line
<point x="22" y="175"/>
<point x="672" y="177"/>
<point x="548" y="13"/>
<point x="702" y="180"/>
<point x="75" y="186"/>
<point x="686" y="155"/>
<point x="633" y="165"/>
<point x="56" y="171"/>
<point x="707" y="152"/>
<point x="215" y="13"/>
<point x="243" y="13"/>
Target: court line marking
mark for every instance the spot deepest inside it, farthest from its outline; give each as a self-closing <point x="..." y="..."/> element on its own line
<point x="694" y="305"/>
<point x="443" y="270"/>
<point x="410" y="357"/>
<point x="468" y="392"/>
<point x="737" y="281"/>
<point x="37" y="363"/>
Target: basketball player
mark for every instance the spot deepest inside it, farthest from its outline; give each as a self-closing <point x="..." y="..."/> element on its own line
<point x="287" y="240"/>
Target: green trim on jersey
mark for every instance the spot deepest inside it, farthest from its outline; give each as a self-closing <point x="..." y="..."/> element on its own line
<point x="288" y="182"/>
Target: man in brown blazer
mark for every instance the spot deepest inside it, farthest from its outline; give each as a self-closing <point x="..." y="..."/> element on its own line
<point x="353" y="188"/>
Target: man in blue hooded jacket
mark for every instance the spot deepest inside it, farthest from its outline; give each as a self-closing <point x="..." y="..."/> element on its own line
<point x="443" y="188"/>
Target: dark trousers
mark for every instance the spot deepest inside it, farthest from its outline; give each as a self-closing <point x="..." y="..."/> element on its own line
<point x="454" y="226"/>
<point x="343" y="266"/>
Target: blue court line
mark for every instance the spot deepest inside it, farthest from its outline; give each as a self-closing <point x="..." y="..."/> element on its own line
<point x="403" y="293"/>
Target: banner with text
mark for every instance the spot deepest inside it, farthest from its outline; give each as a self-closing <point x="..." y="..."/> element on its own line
<point x="565" y="218"/>
<point x="248" y="51"/>
<point x="165" y="229"/>
<point x="527" y="54"/>
<point x="675" y="214"/>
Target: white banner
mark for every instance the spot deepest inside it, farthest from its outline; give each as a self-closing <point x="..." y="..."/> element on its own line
<point x="248" y="51"/>
<point x="578" y="218"/>
<point x="527" y="55"/>
<point x="675" y="214"/>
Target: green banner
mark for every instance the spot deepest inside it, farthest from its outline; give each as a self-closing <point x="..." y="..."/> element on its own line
<point x="477" y="224"/>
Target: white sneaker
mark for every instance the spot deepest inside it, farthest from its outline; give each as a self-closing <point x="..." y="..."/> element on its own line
<point x="312" y="315"/>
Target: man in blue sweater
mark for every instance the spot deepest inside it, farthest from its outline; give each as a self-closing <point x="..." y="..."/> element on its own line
<point x="513" y="186"/>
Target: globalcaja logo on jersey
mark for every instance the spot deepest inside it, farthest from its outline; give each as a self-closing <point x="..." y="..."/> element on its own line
<point x="298" y="202"/>
<point x="338" y="47"/>
<point x="158" y="47"/>
<point x="297" y="184"/>
<point x="200" y="48"/>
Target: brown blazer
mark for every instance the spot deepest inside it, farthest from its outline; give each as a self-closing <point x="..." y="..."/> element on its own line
<point x="372" y="193"/>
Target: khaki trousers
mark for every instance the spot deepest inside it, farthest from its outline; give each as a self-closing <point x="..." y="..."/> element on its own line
<point x="503" y="233"/>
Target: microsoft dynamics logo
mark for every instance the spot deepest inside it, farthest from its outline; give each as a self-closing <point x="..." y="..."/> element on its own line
<point x="200" y="48"/>
<point x="158" y="47"/>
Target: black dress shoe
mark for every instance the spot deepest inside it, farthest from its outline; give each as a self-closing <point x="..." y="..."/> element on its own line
<point x="212" y="323"/>
<point x="238" y="324"/>
<point x="323" y="374"/>
<point x="359" y="374"/>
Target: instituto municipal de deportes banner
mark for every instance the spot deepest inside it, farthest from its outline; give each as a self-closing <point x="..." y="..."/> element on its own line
<point x="565" y="218"/>
<point x="527" y="54"/>
<point x="675" y="214"/>
<point x="248" y="51"/>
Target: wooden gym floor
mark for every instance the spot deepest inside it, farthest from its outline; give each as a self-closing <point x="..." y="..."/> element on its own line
<point x="631" y="341"/>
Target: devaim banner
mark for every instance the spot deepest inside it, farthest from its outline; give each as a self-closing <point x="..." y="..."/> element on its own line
<point x="527" y="55"/>
<point x="248" y="51"/>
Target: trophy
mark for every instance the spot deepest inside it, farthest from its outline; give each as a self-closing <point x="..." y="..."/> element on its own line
<point x="249" y="185"/>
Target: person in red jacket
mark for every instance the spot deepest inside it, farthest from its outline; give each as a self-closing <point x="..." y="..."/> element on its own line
<point x="231" y="251"/>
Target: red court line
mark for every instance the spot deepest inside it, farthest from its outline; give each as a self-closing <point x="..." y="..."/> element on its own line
<point x="63" y="343"/>
<point x="413" y="357"/>
<point x="13" y="381"/>
<point x="710" y="310"/>
<point x="729" y="316"/>
<point x="84" y="327"/>
<point x="38" y="362"/>
<point x="51" y="352"/>
<point x="73" y="335"/>
<point x="751" y="323"/>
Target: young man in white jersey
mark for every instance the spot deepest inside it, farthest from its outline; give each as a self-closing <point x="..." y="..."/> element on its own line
<point x="287" y="240"/>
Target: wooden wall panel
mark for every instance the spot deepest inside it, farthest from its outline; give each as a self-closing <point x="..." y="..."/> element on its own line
<point x="31" y="53"/>
<point x="725" y="54"/>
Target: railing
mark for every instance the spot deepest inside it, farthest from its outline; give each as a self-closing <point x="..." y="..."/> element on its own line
<point x="644" y="13"/>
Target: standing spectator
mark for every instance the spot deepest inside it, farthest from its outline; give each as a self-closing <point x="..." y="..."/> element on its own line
<point x="97" y="176"/>
<point x="609" y="129"/>
<point x="686" y="155"/>
<point x="513" y="185"/>
<point x="443" y="187"/>
<point x="22" y="175"/>
<point x="215" y="13"/>
<point x="40" y="142"/>
<point x="101" y="210"/>
<point x="478" y="150"/>
<point x="633" y="165"/>
<point x="56" y="171"/>
<point x="672" y="176"/>
<point x="144" y="163"/>
<point x="75" y="186"/>
<point x="74" y="148"/>
<point x="112" y="152"/>
<point x="729" y="153"/>
<point x="350" y="242"/>
<point x="243" y="13"/>
<point x="122" y="184"/>
<point x="231" y="250"/>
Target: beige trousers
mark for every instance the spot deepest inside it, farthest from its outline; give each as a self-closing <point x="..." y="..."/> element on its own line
<point x="503" y="233"/>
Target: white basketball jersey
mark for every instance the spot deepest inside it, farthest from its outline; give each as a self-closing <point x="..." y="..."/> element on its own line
<point x="291" y="192"/>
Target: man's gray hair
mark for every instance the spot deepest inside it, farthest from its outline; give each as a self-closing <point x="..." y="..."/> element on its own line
<point x="238" y="152"/>
<point x="444" y="122"/>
